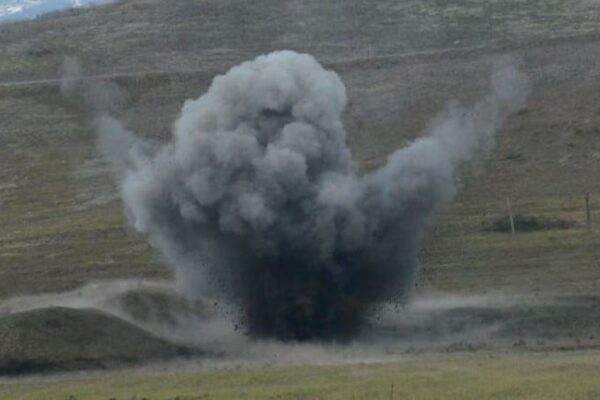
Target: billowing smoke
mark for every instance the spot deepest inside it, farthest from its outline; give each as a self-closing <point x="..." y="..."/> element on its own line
<point x="256" y="200"/>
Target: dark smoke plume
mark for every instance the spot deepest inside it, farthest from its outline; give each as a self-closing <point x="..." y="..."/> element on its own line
<point x="256" y="199"/>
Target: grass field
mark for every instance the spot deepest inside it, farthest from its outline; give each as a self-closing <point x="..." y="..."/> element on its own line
<point x="459" y="376"/>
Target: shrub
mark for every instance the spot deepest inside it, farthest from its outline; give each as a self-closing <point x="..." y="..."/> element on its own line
<point x="528" y="223"/>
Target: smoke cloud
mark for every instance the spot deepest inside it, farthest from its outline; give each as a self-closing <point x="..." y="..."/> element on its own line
<point x="256" y="201"/>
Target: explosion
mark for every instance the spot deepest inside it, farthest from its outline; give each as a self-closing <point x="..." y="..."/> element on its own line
<point x="256" y="200"/>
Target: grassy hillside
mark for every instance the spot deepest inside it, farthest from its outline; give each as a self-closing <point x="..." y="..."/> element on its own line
<point x="62" y="222"/>
<point x="145" y="35"/>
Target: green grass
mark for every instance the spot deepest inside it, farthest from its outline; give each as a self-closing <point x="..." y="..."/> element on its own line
<point x="460" y="376"/>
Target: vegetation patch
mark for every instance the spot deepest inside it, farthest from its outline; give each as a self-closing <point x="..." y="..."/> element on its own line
<point x="59" y="339"/>
<point x="528" y="223"/>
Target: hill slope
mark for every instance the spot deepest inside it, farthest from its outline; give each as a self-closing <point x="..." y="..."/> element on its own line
<point x="69" y="339"/>
<point x="62" y="223"/>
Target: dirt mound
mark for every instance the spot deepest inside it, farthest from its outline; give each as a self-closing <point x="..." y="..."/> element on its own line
<point x="56" y="339"/>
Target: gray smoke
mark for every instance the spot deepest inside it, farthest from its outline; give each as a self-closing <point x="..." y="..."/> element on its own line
<point x="93" y="96"/>
<point x="100" y="100"/>
<point x="256" y="200"/>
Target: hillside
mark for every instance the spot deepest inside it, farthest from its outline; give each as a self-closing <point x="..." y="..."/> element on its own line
<point x="62" y="223"/>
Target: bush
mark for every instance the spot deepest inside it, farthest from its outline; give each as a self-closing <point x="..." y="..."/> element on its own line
<point x="528" y="223"/>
